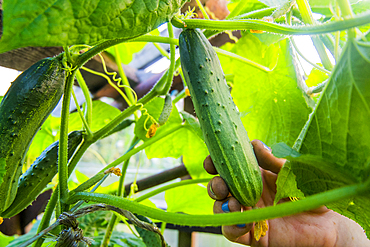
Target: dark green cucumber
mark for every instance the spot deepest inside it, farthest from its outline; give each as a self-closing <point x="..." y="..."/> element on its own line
<point x="40" y="173"/>
<point x="26" y="105"/>
<point x="223" y="131"/>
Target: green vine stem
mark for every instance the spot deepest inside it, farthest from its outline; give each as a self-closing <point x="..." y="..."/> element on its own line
<point x="204" y="12"/>
<point x="147" y="143"/>
<point x="63" y="141"/>
<point x="83" y="119"/>
<point x="88" y="100"/>
<point x="242" y="59"/>
<point x="346" y="10"/>
<point x="171" y="186"/>
<point x="45" y="220"/>
<point x="88" y="184"/>
<point x="162" y="89"/>
<point x="307" y="16"/>
<point x="280" y="210"/>
<point x="155" y="39"/>
<point x="78" y="204"/>
<point x="179" y="96"/>
<point x="307" y="60"/>
<point x="121" y="191"/>
<point x="54" y="197"/>
<point x="162" y="51"/>
<point x="224" y="25"/>
<point x="86" y="56"/>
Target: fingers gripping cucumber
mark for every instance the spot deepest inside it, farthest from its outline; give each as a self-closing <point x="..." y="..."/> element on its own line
<point x="40" y="173"/>
<point x="28" y="102"/>
<point x="223" y="131"/>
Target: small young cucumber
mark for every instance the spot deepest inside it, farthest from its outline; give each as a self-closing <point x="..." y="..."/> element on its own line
<point x="40" y="173"/>
<point x="26" y="105"/>
<point x="166" y="111"/>
<point x="223" y="131"/>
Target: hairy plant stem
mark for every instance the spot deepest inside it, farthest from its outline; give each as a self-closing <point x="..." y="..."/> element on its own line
<point x="242" y="59"/>
<point x="307" y="60"/>
<point x="307" y="16"/>
<point x="121" y="192"/>
<point x="86" y="56"/>
<point x="280" y="210"/>
<point x="163" y="87"/>
<point x="346" y="10"/>
<point x="147" y="143"/>
<point x="82" y="117"/>
<point x="358" y="20"/>
<point x="204" y="12"/>
<point x="162" y="51"/>
<point x="88" y="100"/>
<point x="47" y="216"/>
<point x="63" y="142"/>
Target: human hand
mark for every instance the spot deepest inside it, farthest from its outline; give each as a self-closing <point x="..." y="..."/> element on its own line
<point x="319" y="227"/>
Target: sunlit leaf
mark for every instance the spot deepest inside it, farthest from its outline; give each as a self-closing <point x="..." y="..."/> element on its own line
<point x="197" y="202"/>
<point x="61" y="22"/>
<point x="271" y="103"/>
<point x="336" y="144"/>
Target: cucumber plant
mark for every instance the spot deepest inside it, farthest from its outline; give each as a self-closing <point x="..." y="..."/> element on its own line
<point x="328" y="130"/>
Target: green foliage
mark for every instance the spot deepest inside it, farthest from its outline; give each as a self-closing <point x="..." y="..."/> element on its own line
<point x="336" y="143"/>
<point x="5" y="240"/>
<point x="178" y="200"/>
<point x="316" y="77"/>
<point x="61" y="22"/>
<point x="154" y="109"/>
<point x="273" y="107"/>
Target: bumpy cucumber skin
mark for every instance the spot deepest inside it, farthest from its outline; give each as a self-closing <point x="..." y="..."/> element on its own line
<point x="223" y="131"/>
<point x="26" y="105"/>
<point x="166" y="111"/>
<point x="40" y="173"/>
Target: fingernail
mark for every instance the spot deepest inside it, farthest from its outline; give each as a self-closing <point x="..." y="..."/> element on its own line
<point x="241" y="225"/>
<point x="266" y="147"/>
<point x="225" y="207"/>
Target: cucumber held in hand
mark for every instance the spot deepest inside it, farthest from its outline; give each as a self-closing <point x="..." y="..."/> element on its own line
<point x="223" y="131"/>
<point x="24" y="108"/>
<point x="40" y="173"/>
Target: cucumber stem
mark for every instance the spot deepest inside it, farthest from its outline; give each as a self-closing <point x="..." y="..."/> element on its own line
<point x="121" y="192"/>
<point x="358" y="20"/>
<point x="63" y="141"/>
<point x="280" y="210"/>
<point x="88" y="100"/>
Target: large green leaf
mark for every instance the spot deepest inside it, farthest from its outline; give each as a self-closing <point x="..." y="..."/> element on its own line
<point x="339" y="128"/>
<point x="272" y="105"/>
<point x="62" y="22"/>
<point x="197" y="202"/>
<point x="336" y="142"/>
